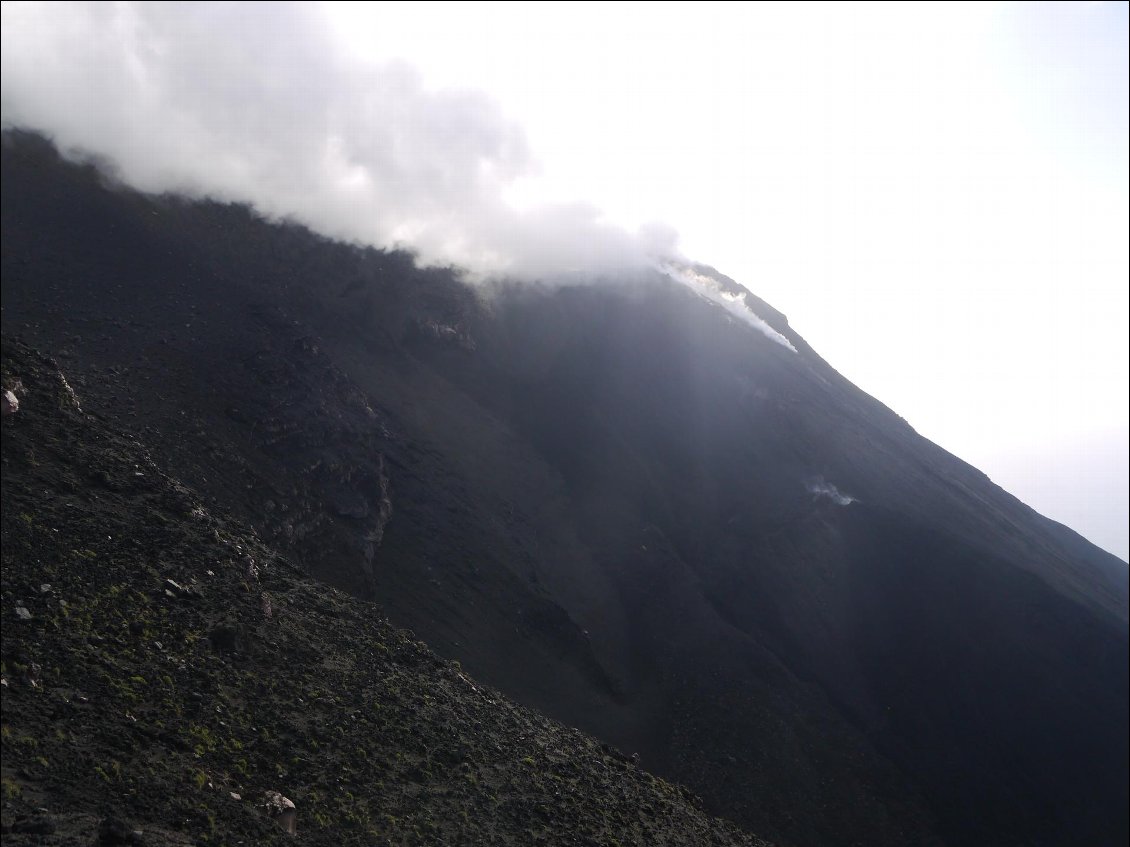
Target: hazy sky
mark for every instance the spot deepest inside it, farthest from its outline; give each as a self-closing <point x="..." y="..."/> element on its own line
<point x="936" y="195"/>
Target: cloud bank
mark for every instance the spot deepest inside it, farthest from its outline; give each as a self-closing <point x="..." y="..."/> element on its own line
<point x="256" y="103"/>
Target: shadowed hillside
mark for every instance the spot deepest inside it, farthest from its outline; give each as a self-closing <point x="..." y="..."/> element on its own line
<point x="164" y="669"/>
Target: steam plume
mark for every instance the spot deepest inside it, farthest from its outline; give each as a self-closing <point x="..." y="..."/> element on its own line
<point x="820" y="487"/>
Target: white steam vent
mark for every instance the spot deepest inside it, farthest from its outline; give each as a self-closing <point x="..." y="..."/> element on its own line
<point x="735" y="304"/>
<point x="820" y="487"/>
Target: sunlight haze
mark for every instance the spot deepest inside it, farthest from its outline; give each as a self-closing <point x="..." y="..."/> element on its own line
<point x="935" y="194"/>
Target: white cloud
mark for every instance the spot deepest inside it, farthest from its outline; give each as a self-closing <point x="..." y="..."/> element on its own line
<point x="258" y="103"/>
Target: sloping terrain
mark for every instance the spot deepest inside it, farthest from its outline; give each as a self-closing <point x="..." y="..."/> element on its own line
<point x="616" y="502"/>
<point x="163" y="668"/>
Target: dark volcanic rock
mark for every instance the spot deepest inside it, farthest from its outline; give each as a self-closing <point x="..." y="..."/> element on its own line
<point x="616" y="503"/>
<point x="183" y="714"/>
<point x="114" y="832"/>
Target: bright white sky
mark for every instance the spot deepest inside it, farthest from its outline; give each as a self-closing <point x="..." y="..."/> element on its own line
<point x="936" y="195"/>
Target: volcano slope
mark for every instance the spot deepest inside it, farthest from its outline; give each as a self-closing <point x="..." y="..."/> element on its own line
<point x="168" y="669"/>
<point x="616" y="502"/>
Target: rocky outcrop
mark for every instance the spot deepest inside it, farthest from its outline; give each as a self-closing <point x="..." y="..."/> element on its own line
<point x="281" y="810"/>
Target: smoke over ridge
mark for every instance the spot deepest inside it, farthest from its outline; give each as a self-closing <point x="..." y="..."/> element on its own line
<point x="736" y="304"/>
<point x="256" y="103"/>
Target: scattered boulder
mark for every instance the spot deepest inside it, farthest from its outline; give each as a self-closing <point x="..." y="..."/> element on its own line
<point x="281" y="810"/>
<point x="181" y="592"/>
